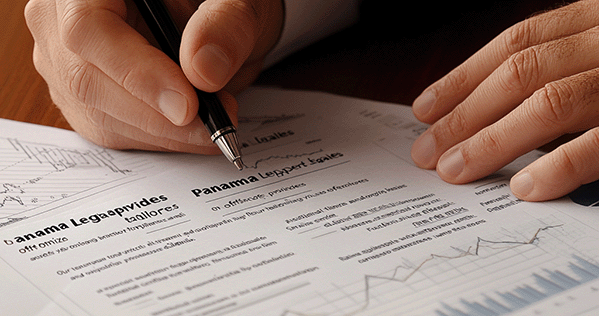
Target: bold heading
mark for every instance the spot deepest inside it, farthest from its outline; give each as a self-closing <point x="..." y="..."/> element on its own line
<point x="118" y="212"/>
<point x="276" y="173"/>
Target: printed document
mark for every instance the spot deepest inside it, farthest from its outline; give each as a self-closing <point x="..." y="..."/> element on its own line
<point x="328" y="217"/>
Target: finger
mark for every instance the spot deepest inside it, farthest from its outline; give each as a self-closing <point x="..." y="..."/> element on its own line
<point x="38" y="16"/>
<point x="98" y="107"/>
<point x="130" y="137"/>
<point x="96" y="30"/>
<point x="100" y="97"/>
<point x="244" y="77"/>
<point x="112" y="140"/>
<point x="223" y="35"/>
<point x="106" y="131"/>
<point x="565" y="106"/>
<point x="561" y="171"/>
<point x="92" y="117"/>
<point x="442" y="96"/>
<point x="507" y="87"/>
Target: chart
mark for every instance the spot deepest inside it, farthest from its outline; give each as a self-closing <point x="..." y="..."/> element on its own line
<point x="33" y="175"/>
<point x="544" y="285"/>
<point x="494" y="275"/>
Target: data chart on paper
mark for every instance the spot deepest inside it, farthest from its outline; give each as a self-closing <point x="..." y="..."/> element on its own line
<point x="35" y="175"/>
<point x="537" y="268"/>
<point x="329" y="217"/>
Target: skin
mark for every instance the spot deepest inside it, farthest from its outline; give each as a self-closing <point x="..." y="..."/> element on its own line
<point x="536" y="81"/>
<point x="118" y="90"/>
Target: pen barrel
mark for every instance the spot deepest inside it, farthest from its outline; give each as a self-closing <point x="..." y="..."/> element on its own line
<point x="212" y="112"/>
<point x="162" y="26"/>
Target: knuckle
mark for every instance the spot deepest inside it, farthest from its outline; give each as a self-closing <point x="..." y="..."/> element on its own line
<point x="456" y="80"/>
<point x="242" y="16"/>
<point x="489" y="142"/>
<point x="520" y="36"/>
<point x="72" y="25"/>
<point x="79" y="20"/>
<point x="521" y="70"/>
<point x="81" y="81"/>
<point x="454" y="126"/>
<point x="564" y="160"/>
<point x="245" y="11"/>
<point x="97" y="118"/>
<point x="131" y="79"/>
<point x="576" y="159"/>
<point x="553" y="104"/>
<point x="588" y="82"/>
<point x="33" y="13"/>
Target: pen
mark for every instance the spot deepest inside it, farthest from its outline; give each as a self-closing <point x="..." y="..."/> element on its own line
<point x="211" y="111"/>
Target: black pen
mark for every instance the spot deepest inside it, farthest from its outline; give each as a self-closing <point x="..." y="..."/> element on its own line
<point x="211" y="111"/>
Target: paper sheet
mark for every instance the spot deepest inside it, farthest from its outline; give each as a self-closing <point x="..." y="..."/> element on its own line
<point x="329" y="217"/>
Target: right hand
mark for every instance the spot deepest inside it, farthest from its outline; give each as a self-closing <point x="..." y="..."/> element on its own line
<point x="119" y="91"/>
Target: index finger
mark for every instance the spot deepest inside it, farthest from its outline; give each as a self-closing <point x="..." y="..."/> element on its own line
<point x="442" y="96"/>
<point x="96" y="30"/>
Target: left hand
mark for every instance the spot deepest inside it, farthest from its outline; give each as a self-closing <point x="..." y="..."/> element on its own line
<point x="536" y="81"/>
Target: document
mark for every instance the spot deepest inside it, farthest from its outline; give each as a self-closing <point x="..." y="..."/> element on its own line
<point x="329" y="217"/>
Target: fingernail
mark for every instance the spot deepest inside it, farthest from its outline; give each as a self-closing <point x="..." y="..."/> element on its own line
<point x="424" y="103"/>
<point x="451" y="164"/>
<point x="173" y="105"/>
<point x="522" y="184"/>
<point x="212" y="64"/>
<point x="423" y="151"/>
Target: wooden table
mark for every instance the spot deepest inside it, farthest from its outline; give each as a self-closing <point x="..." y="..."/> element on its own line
<point x="23" y="93"/>
<point x="381" y="58"/>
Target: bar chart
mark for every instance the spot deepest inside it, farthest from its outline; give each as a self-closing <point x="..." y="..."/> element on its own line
<point x="546" y="284"/>
<point x="499" y="274"/>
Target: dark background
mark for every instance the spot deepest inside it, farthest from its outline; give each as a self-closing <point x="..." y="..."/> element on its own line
<point x="397" y="49"/>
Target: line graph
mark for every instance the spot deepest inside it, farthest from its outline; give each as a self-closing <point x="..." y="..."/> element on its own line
<point x="33" y="174"/>
<point x="64" y="158"/>
<point x="275" y="157"/>
<point x="8" y="194"/>
<point x="412" y="286"/>
<point x="269" y="119"/>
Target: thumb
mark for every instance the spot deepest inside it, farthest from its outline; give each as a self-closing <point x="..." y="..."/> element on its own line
<point x="222" y="35"/>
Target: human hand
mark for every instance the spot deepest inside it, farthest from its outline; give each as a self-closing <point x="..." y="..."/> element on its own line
<point x="536" y="81"/>
<point x="119" y="91"/>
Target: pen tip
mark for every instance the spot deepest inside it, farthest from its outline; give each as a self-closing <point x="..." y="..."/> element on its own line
<point x="238" y="163"/>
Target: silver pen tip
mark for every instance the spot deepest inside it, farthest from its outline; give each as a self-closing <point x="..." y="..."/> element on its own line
<point x="238" y="163"/>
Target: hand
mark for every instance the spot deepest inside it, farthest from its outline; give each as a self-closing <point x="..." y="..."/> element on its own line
<point x="119" y="91"/>
<point x="536" y="81"/>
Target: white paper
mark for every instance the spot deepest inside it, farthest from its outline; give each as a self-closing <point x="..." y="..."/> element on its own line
<point x="329" y="217"/>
